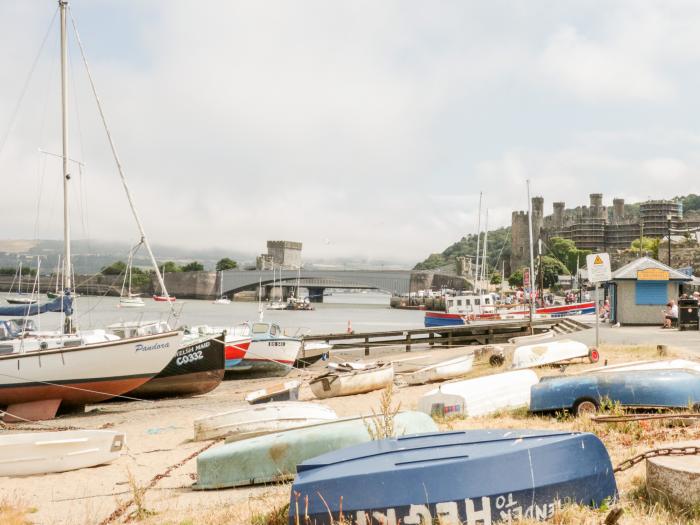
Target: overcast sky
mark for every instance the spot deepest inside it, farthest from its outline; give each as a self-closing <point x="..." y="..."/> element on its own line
<point x="362" y="128"/>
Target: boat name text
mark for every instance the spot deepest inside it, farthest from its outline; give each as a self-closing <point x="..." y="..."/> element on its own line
<point x="155" y="346"/>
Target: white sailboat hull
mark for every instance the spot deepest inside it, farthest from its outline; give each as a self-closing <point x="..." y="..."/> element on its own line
<point x="85" y="374"/>
<point x="480" y="396"/>
<point x="258" y="420"/>
<point x="335" y="384"/>
<point x="46" y="452"/>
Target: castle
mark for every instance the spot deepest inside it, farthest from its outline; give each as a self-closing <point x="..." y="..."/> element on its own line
<point x="596" y="227"/>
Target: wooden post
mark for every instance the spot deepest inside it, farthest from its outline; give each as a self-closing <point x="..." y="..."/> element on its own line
<point x="408" y="341"/>
<point x="431" y="339"/>
<point x="366" y="345"/>
<point x="449" y="339"/>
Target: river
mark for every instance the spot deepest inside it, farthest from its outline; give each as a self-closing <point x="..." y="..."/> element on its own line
<point x="366" y="312"/>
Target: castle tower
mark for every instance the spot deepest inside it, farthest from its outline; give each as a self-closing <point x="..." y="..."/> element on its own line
<point x="618" y="210"/>
<point x="597" y="210"/>
<point x="537" y="222"/>
<point x="559" y="214"/>
<point x="519" y="252"/>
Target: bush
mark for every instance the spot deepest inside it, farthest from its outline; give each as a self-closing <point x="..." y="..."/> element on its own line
<point x="194" y="266"/>
<point x="116" y="268"/>
<point x="226" y="264"/>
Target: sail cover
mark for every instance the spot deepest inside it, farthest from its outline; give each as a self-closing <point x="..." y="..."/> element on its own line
<point x="60" y="304"/>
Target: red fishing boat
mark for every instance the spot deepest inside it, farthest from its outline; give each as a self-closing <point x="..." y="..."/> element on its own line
<point x="164" y="299"/>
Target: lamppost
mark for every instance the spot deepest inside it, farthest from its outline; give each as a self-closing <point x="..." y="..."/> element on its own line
<point x="668" y="219"/>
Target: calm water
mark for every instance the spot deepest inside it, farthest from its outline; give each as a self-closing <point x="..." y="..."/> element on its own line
<point x="366" y="312"/>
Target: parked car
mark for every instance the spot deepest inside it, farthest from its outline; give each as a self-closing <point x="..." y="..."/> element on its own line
<point x="677" y="388"/>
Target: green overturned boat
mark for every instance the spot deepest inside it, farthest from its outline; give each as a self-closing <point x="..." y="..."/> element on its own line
<point x="274" y="457"/>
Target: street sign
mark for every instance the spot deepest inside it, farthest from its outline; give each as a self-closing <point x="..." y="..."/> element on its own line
<point x="598" y="265"/>
<point x="526" y="278"/>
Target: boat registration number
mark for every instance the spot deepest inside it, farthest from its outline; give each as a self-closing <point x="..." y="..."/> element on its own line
<point x="189" y="358"/>
<point x="275" y="343"/>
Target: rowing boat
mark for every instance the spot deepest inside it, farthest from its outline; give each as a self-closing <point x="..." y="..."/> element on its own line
<point x="442" y="371"/>
<point x="349" y="381"/>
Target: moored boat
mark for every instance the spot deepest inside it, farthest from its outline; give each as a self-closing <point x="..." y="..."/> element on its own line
<point x="253" y="421"/>
<point x="274" y="457"/>
<point x="165" y="299"/>
<point x="197" y="368"/>
<point x="236" y="341"/>
<point x="350" y="381"/>
<point x="480" y="396"/>
<point x="442" y="371"/>
<point x="46" y="452"/>
<point x="477" y="476"/>
<point x="270" y="353"/>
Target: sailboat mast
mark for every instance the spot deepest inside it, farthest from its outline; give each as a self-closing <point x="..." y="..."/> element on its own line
<point x="532" y="261"/>
<point x="484" y="254"/>
<point x="478" y="242"/>
<point x="67" y="273"/>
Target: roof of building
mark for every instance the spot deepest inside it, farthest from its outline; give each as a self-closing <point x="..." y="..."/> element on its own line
<point x="629" y="270"/>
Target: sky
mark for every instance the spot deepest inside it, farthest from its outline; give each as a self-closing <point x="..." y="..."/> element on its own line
<point x="363" y="129"/>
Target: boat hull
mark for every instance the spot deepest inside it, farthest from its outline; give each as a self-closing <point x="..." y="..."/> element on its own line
<point x="197" y="368"/>
<point x="267" y="358"/>
<point x="259" y="420"/>
<point x="444" y="371"/>
<point x="274" y="457"/>
<point x="481" y="476"/>
<point x="46" y="452"/>
<point x="334" y="384"/>
<point x="84" y="374"/>
<point x="433" y="319"/>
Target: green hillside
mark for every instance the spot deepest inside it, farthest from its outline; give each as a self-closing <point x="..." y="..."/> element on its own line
<point x="498" y="250"/>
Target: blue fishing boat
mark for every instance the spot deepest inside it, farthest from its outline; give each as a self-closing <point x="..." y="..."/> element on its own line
<point x="477" y="476"/>
<point x="671" y="388"/>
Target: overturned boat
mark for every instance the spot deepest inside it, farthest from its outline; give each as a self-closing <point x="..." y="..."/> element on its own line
<point x="549" y="353"/>
<point x="287" y="391"/>
<point x="249" y="422"/>
<point x="477" y="476"/>
<point x="346" y="380"/>
<point x="46" y="452"/>
<point x="442" y="371"/>
<point x="480" y="396"/>
<point x="274" y="457"/>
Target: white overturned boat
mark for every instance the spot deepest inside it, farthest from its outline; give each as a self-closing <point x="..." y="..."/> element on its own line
<point x="46" y="452"/>
<point x="263" y="419"/>
<point x="287" y="391"/>
<point x="543" y="354"/>
<point x="480" y="396"/>
<point x="442" y="371"/>
<point x="668" y="364"/>
<point x="350" y="381"/>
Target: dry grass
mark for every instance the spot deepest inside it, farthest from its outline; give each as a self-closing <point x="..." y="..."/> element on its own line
<point x="14" y="512"/>
<point x="381" y="425"/>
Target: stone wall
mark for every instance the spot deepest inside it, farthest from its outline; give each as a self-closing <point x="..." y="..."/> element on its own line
<point x="192" y="285"/>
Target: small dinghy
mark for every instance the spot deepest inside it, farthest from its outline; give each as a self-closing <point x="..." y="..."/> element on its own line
<point x="287" y="391"/>
<point x="542" y="354"/>
<point x="443" y="371"/>
<point x="274" y="457"/>
<point x="255" y="421"/>
<point x="480" y="396"/>
<point x="346" y="381"/>
<point x="46" y="452"/>
<point x="477" y="476"/>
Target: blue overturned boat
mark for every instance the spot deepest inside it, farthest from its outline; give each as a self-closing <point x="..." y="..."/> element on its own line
<point x="660" y="388"/>
<point x="477" y="476"/>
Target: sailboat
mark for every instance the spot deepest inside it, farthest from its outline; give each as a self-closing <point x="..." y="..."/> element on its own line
<point x="130" y="300"/>
<point x="164" y="297"/>
<point x="20" y="297"/>
<point x="72" y="369"/>
<point x="274" y="304"/>
<point x="222" y="299"/>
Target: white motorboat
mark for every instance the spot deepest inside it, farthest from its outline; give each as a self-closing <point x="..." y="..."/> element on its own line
<point x="131" y="302"/>
<point x="338" y="382"/>
<point x="46" y="452"/>
<point x="442" y="371"/>
<point x="261" y="419"/>
<point x="553" y="352"/>
<point x="480" y="396"/>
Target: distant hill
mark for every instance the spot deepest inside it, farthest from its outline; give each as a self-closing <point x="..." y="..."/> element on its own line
<point x="498" y="250"/>
<point x="90" y="256"/>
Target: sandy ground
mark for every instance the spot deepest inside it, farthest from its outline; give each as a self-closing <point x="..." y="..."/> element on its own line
<point x="159" y="435"/>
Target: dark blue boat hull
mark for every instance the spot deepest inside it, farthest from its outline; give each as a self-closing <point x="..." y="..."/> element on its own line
<point x="635" y="388"/>
<point x="454" y="477"/>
